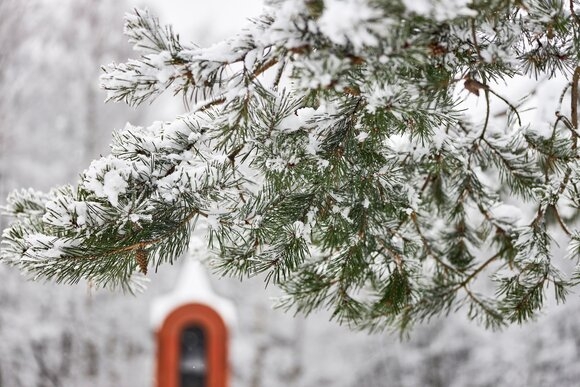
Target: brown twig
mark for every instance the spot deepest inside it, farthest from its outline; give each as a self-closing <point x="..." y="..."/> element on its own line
<point x="574" y="99"/>
<point x="146" y="243"/>
<point x="427" y="245"/>
<point x="573" y="12"/>
<point x="480" y="268"/>
<point x="264" y="67"/>
<point x="561" y="221"/>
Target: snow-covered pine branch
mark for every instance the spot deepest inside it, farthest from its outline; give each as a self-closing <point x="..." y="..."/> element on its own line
<point x="336" y="147"/>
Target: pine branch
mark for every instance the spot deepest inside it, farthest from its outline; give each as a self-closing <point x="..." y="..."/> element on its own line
<point x="335" y="155"/>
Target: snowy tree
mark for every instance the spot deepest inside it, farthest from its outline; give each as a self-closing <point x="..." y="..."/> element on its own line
<point x="364" y="154"/>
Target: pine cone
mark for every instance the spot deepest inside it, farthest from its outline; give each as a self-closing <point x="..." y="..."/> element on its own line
<point x="142" y="260"/>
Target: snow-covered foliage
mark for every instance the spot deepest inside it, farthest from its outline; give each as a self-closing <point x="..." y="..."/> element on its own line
<point x="330" y="146"/>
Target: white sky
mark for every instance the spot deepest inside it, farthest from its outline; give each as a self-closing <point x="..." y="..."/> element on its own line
<point x="203" y="21"/>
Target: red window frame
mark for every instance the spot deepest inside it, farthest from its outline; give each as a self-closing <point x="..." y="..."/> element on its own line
<point x="168" y="345"/>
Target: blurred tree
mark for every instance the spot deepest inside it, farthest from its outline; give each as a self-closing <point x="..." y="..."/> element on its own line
<point x="50" y="336"/>
<point x="10" y="35"/>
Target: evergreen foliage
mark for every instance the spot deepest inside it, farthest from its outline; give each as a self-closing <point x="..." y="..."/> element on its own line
<point x="331" y="147"/>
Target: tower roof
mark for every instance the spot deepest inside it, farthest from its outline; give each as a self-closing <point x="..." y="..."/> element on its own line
<point x="192" y="286"/>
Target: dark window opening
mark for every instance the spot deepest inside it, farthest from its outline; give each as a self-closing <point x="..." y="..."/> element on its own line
<point x="193" y="360"/>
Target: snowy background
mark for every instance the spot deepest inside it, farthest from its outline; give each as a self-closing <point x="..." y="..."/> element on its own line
<point x="53" y="122"/>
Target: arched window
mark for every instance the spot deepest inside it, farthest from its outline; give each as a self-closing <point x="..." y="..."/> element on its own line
<point x="192" y="348"/>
